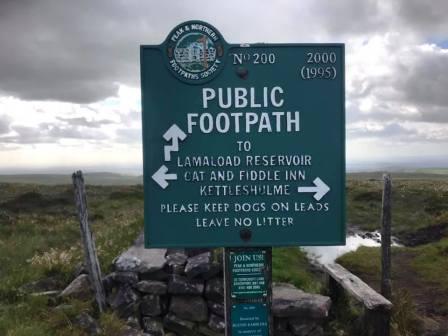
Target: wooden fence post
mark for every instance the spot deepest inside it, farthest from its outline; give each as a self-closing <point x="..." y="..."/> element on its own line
<point x="376" y="318"/>
<point x="386" y="286"/>
<point x="377" y="322"/>
<point x="382" y="319"/>
<point x="88" y="241"/>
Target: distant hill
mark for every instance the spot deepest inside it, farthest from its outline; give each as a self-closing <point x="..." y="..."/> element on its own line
<point x="414" y="175"/>
<point x="438" y="171"/>
<point x="100" y="178"/>
<point x="104" y="178"/>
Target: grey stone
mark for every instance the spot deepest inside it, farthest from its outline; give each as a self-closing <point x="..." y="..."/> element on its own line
<point x="80" y="269"/>
<point x="217" y="323"/>
<point x="133" y="322"/>
<point x="164" y="303"/>
<point x="214" y="289"/>
<point x="191" y="252"/>
<point x="125" y="277"/>
<point x="281" y="324"/>
<point x="216" y="308"/>
<point x="152" y="287"/>
<point x="108" y="283"/>
<point x="152" y="326"/>
<point x="176" y="269"/>
<point x="283" y="333"/>
<point x="114" y="279"/>
<point x="129" y="331"/>
<point x="160" y="275"/>
<point x="191" y="308"/>
<point x="179" y="326"/>
<point x="318" y="331"/>
<point x="79" y="288"/>
<point x="176" y="260"/>
<point x="206" y="331"/>
<point x="202" y="265"/>
<point x="288" y="301"/>
<point x="88" y="324"/>
<point x="301" y="327"/>
<point x="125" y="301"/>
<point x="150" y="305"/>
<point x="179" y="284"/>
<point x="141" y="260"/>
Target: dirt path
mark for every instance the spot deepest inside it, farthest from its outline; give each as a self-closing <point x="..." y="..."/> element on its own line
<point x="430" y="301"/>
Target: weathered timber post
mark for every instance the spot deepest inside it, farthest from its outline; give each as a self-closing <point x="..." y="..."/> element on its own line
<point x="386" y="287"/>
<point x="376" y="319"/>
<point x="88" y="241"/>
<point x="377" y="322"/>
<point x="335" y="291"/>
<point x="382" y="319"/>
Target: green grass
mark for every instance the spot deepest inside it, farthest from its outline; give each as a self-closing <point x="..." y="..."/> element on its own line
<point x="428" y="261"/>
<point x="438" y="171"/>
<point x="365" y="261"/>
<point x="415" y="204"/>
<point x="291" y="265"/>
<point x="110" y="179"/>
<point x="39" y="238"/>
<point x="431" y="262"/>
<point x="418" y="279"/>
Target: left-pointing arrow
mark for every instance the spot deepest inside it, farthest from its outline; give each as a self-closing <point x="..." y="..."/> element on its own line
<point x="161" y="177"/>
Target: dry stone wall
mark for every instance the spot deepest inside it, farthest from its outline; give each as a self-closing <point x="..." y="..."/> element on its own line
<point x="181" y="292"/>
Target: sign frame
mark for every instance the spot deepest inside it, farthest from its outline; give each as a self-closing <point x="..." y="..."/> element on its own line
<point x="151" y="235"/>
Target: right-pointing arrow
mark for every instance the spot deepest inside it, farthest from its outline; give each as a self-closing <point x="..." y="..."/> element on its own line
<point x="320" y="189"/>
<point x="161" y="177"/>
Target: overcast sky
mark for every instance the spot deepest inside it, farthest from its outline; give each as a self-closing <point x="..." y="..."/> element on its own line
<point x="69" y="73"/>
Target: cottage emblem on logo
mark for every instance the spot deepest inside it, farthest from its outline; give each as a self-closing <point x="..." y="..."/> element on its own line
<point x="195" y="52"/>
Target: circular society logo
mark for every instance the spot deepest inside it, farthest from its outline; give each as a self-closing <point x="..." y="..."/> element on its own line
<point x="195" y="52"/>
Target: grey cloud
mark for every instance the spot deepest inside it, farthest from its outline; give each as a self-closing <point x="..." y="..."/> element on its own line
<point x="129" y="135"/>
<point x="129" y="118"/>
<point x="134" y="115"/>
<point x="25" y="135"/>
<point x="70" y="132"/>
<point x="82" y="121"/>
<point x="426" y="81"/>
<point x="354" y="17"/>
<point x="395" y="132"/>
<point x="390" y="130"/>
<point x="5" y="122"/>
<point x="76" y="51"/>
<point x="418" y="79"/>
<point x="434" y="114"/>
<point x="50" y="133"/>
<point x="351" y="17"/>
<point x="424" y="16"/>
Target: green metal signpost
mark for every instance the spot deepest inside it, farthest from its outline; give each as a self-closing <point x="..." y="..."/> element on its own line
<point x="243" y="144"/>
